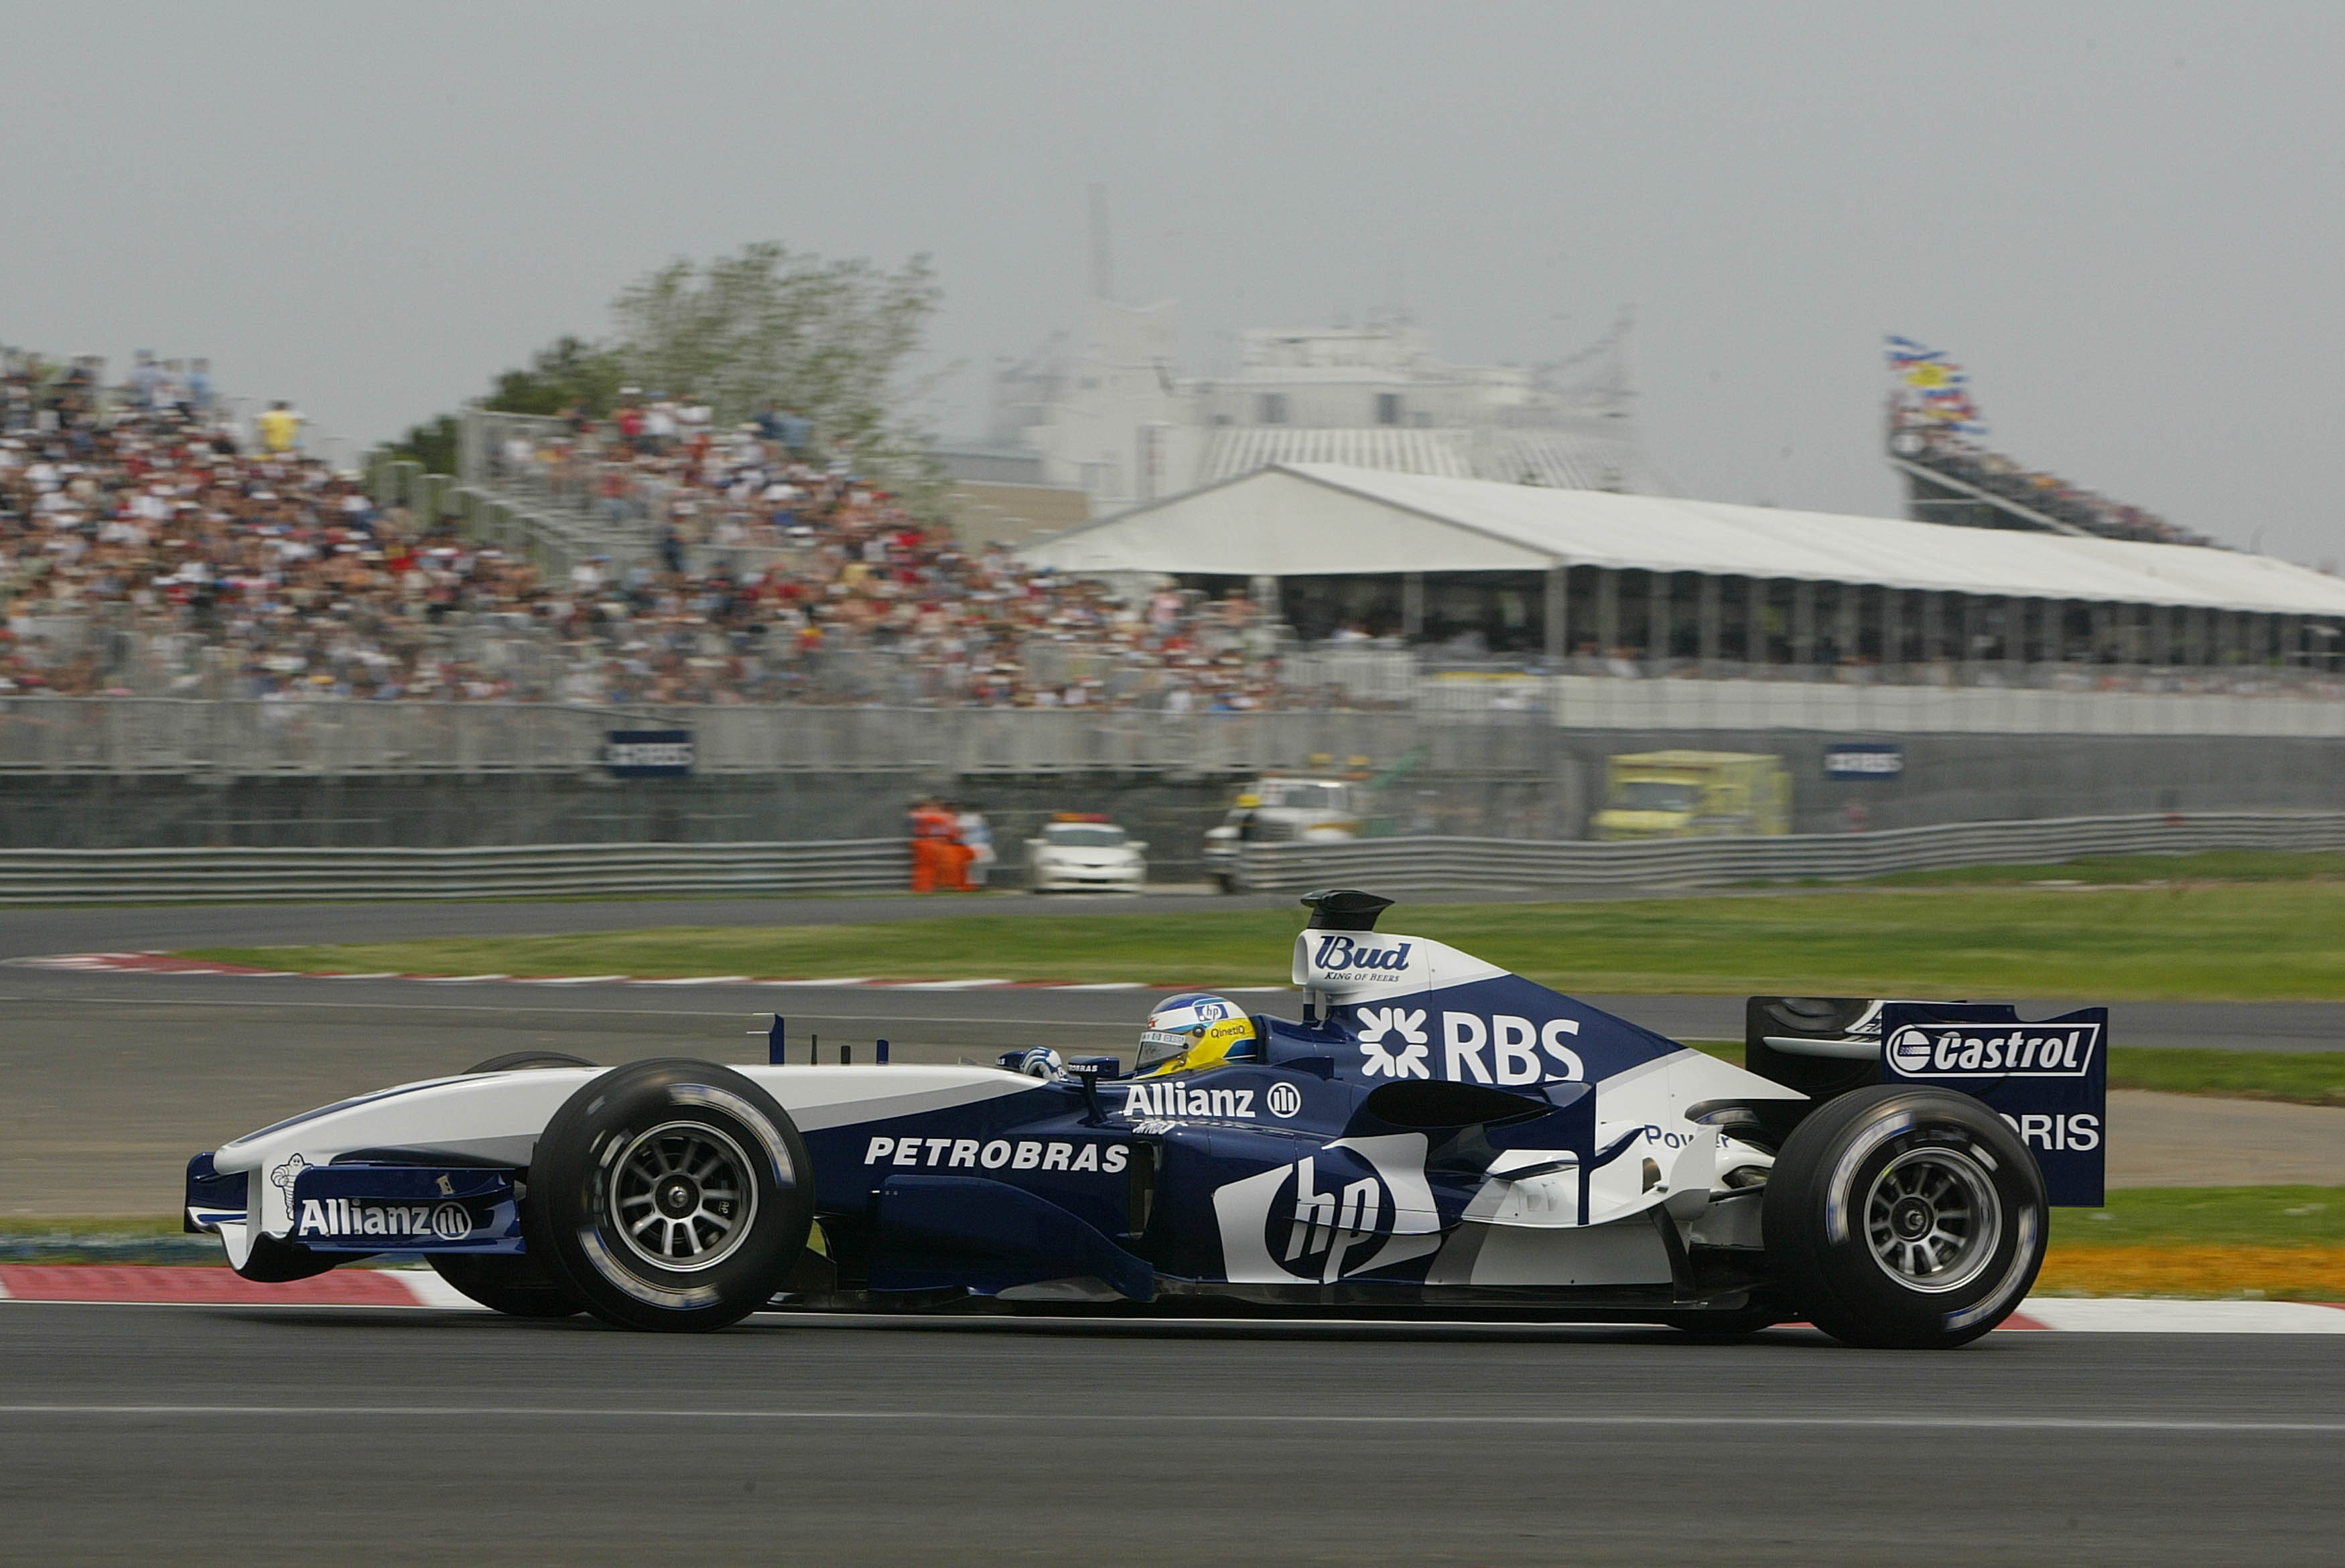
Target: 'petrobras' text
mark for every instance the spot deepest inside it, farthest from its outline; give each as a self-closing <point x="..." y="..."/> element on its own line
<point x="973" y="1153"/>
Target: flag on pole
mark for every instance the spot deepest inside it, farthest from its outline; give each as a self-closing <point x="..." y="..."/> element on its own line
<point x="1934" y="389"/>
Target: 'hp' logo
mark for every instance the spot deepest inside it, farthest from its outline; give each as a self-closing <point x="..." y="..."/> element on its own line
<point x="1283" y="1099"/>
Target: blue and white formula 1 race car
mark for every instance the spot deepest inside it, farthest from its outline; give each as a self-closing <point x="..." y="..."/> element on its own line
<point x="1435" y="1138"/>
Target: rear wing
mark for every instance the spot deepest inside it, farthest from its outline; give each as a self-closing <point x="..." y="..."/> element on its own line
<point x="2048" y="1079"/>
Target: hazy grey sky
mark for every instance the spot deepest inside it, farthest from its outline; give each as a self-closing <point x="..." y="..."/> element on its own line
<point x="2125" y="219"/>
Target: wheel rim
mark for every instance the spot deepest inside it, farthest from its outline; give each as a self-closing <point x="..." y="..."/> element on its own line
<point x="683" y="1197"/>
<point x="1933" y="1218"/>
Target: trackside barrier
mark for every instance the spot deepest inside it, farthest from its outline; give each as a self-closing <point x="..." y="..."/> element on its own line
<point x="1388" y="864"/>
<point x="245" y="739"/>
<point x="1401" y="865"/>
<point x="299" y="876"/>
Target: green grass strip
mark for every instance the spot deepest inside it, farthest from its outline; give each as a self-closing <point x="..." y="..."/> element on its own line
<point x="2212" y="865"/>
<point x="2200" y="1216"/>
<point x="2247" y="941"/>
<point x="2305" y="1078"/>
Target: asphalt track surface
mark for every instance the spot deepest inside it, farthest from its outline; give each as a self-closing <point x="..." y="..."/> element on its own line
<point x="34" y="932"/>
<point x="137" y="1434"/>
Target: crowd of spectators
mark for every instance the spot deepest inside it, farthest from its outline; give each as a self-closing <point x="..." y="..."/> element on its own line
<point x="149" y="547"/>
<point x="153" y="544"/>
<point x="1920" y="439"/>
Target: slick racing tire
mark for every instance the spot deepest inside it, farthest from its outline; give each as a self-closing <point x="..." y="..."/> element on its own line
<point x="672" y="1195"/>
<point x="519" y="1286"/>
<point x="1904" y="1219"/>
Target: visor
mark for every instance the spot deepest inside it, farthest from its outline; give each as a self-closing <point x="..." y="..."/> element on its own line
<point x="1158" y="1046"/>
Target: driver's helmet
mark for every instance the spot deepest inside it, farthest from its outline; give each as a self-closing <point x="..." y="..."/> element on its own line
<point x="1194" y="1029"/>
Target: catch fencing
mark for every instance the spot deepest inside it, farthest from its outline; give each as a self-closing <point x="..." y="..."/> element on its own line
<point x="1474" y="733"/>
<point x="232" y="739"/>
<point x="1386" y="865"/>
<point x="550" y="871"/>
<point x="1411" y="864"/>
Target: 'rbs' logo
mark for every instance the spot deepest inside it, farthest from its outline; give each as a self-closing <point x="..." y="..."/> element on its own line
<point x="1342" y="955"/>
<point x="1994" y="1050"/>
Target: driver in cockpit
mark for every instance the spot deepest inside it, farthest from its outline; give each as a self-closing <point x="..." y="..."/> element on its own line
<point x="1193" y="1031"/>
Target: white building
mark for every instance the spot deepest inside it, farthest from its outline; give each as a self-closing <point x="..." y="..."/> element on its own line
<point x="1114" y="420"/>
<point x="1705" y="585"/>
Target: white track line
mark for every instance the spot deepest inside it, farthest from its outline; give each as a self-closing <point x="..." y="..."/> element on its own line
<point x="2072" y="1314"/>
<point x="127" y="963"/>
<point x="1923" y="1421"/>
<point x="2117" y="1315"/>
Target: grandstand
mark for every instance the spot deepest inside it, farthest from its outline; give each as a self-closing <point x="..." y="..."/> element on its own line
<point x="1952" y="478"/>
<point x="150" y="548"/>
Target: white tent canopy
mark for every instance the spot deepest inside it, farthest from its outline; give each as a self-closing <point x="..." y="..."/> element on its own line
<point x="1314" y="519"/>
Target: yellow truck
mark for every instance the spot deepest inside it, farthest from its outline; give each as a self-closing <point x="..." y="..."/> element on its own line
<point x="1694" y="795"/>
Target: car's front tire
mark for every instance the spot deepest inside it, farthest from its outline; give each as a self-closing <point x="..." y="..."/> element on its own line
<point x="672" y="1195"/>
<point x="1905" y="1219"/>
<point x="519" y="1285"/>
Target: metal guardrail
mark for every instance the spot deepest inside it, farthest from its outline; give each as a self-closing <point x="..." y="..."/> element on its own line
<point x="548" y="871"/>
<point x="1388" y="864"/>
<point x="1405" y="865"/>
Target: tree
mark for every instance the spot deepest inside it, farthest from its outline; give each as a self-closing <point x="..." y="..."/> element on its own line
<point x="433" y="444"/>
<point x="568" y="373"/>
<point x="827" y="340"/>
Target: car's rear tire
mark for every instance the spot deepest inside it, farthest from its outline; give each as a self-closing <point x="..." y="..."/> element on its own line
<point x="672" y="1195"/>
<point x="1904" y="1219"/>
